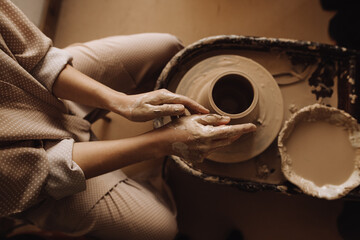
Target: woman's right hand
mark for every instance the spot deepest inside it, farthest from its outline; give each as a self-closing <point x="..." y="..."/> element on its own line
<point x="196" y="136"/>
<point x="151" y="105"/>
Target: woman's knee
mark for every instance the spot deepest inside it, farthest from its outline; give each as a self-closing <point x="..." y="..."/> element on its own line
<point x="128" y="63"/>
<point x="158" y="227"/>
<point x="170" y="45"/>
<point x="130" y="211"/>
<point x="153" y="51"/>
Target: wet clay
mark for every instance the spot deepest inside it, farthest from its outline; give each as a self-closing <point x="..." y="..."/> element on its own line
<point x="198" y="135"/>
<point x="148" y="106"/>
<point x="244" y="91"/>
<point x="321" y="152"/>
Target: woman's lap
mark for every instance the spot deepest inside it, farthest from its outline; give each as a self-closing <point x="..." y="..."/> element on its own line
<point x="126" y="210"/>
<point x="131" y="211"/>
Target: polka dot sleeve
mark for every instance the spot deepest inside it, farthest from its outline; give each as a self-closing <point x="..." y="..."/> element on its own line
<point x="36" y="130"/>
<point x="65" y="176"/>
<point x="20" y="38"/>
<point x="25" y="43"/>
<point x="19" y="186"/>
<point x="48" y="69"/>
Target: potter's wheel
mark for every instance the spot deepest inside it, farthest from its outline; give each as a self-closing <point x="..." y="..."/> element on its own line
<point x="270" y="103"/>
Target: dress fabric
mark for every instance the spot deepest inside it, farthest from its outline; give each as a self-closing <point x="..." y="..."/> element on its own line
<point x="32" y="118"/>
<point x="39" y="181"/>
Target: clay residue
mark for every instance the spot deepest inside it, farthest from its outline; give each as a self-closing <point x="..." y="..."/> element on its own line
<point x="293" y="108"/>
<point x="198" y="135"/>
<point x="322" y="79"/>
<point x="355" y="139"/>
<point x="353" y="98"/>
<point x="198" y="173"/>
<point x="263" y="171"/>
<point x="321" y="152"/>
<point x="181" y="148"/>
<point x="351" y="80"/>
<point x="148" y="105"/>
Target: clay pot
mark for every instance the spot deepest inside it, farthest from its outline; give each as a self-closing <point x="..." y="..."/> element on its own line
<point x="234" y="95"/>
<point x="242" y="89"/>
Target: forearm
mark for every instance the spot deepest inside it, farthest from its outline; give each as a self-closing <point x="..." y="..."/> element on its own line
<point x="191" y="137"/>
<point x="76" y="86"/>
<point x="96" y="158"/>
<point x="73" y="85"/>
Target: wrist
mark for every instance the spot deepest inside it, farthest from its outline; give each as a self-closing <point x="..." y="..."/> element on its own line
<point x="116" y="102"/>
<point x="163" y="141"/>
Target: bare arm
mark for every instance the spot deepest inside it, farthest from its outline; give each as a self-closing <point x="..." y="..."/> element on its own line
<point x="99" y="157"/>
<point x="76" y="86"/>
<point x="191" y="137"/>
<point x="73" y="85"/>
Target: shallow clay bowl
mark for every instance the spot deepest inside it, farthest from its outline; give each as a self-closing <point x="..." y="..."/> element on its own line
<point x="320" y="151"/>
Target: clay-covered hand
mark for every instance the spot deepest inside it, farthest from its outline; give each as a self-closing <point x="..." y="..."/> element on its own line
<point x="147" y="106"/>
<point x="196" y="136"/>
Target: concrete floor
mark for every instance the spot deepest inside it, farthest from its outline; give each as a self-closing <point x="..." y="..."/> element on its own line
<point x="208" y="211"/>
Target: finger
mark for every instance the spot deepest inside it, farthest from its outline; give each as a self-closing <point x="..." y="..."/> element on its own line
<point x="221" y="143"/>
<point x="168" y="110"/>
<point x="246" y="127"/>
<point x="212" y="119"/>
<point x="166" y="97"/>
<point x="192" y="105"/>
<point x="223" y="132"/>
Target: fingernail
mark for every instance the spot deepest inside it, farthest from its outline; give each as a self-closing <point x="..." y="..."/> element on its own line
<point x="179" y="108"/>
<point x="206" y="110"/>
<point x="251" y="127"/>
<point x="227" y="118"/>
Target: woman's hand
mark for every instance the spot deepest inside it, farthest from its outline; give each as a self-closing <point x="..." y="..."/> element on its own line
<point x="196" y="136"/>
<point x="76" y="86"/>
<point x="190" y="137"/>
<point x="147" y="106"/>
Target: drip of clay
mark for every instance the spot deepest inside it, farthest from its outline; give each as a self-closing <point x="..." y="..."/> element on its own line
<point x="243" y="90"/>
<point x="320" y="151"/>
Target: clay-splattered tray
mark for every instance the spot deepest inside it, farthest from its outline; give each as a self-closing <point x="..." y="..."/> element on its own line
<point x="328" y="74"/>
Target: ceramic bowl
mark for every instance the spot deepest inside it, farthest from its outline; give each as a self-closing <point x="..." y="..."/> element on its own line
<point x="320" y="151"/>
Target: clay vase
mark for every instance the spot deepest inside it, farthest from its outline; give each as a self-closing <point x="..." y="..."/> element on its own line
<point x="242" y="89"/>
<point x="232" y="94"/>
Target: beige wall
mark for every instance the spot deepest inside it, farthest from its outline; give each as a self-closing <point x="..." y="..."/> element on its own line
<point x="33" y="9"/>
<point x="191" y="20"/>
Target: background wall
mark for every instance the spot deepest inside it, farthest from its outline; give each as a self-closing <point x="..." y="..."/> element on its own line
<point x="191" y="20"/>
<point x="35" y="10"/>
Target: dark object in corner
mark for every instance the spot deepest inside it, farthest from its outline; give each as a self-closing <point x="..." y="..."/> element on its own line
<point x="348" y="221"/>
<point x="25" y="237"/>
<point x="235" y="235"/>
<point x="344" y="26"/>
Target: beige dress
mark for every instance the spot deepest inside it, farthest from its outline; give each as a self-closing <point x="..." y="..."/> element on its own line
<point x="39" y="181"/>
